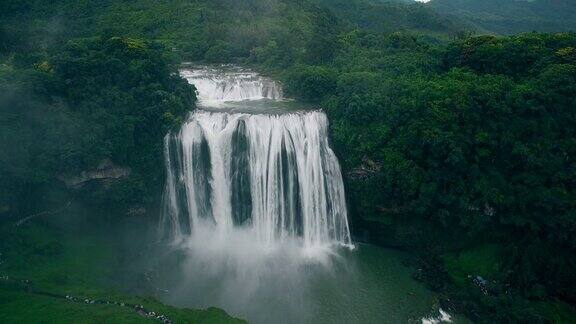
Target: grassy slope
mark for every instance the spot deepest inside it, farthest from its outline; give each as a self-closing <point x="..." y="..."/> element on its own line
<point x="22" y="307"/>
<point x="77" y="259"/>
<point x="510" y="16"/>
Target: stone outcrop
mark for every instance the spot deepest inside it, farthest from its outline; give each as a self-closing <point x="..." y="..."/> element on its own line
<point x="365" y="170"/>
<point x="106" y="170"/>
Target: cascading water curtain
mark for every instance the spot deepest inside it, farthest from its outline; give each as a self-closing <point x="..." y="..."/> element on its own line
<point x="273" y="173"/>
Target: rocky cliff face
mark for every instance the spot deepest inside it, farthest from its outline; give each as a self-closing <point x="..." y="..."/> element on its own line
<point x="106" y="170"/>
<point x="367" y="169"/>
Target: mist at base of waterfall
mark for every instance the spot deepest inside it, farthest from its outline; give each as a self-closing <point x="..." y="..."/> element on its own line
<point x="262" y="282"/>
<point x="282" y="282"/>
<point x="255" y="215"/>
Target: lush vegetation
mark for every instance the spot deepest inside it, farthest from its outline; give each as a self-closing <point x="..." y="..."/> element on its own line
<point x="462" y="152"/>
<point x="511" y="16"/>
<point x="215" y="31"/>
<point x="452" y="148"/>
<point x="97" y="92"/>
<point x="66" y="110"/>
<point x="92" y="100"/>
<point x="77" y="253"/>
<point x="390" y="16"/>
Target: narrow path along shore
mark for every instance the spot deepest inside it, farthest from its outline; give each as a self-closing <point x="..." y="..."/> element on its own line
<point x="26" y="286"/>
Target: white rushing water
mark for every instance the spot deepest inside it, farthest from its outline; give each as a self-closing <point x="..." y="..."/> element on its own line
<point x="254" y="209"/>
<point x="442" y="317"/>
<point x="272" y="173"/>
<point x="220" y="85"/>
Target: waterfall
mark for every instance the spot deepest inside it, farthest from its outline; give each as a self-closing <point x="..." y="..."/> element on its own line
<point x="273" y="173"/>
<point x="218" y="85"/>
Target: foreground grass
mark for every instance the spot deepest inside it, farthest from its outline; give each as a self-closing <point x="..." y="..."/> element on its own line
<point x="484" y="261"/>
<point x="77" y="259"/>
<point x="25" y="307"/>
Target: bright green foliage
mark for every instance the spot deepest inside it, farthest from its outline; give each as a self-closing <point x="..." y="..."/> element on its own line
<point x="313" y="82"/>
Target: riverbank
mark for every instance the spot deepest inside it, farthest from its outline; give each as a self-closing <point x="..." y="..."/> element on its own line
<point x="425" y="133"/>
<point x="64" y="268"/>
<point x="73" y="266"/>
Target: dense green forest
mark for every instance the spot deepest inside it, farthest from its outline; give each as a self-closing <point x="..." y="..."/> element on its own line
<point x="92" y="100"/>
<point x="459" y="148"/>
<point x="218" y="31"/>
<point x="391" y="16"/>
<point x="69" y="57"/>
<point x="510" y="16"/>
<point x="463" y="153"/>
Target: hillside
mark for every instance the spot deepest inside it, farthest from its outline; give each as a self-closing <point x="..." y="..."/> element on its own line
<point x="510" y="16"/>
<point x="461" y="153"/>
<point x="391" y="16"/>
<point x="212" y="30"/>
